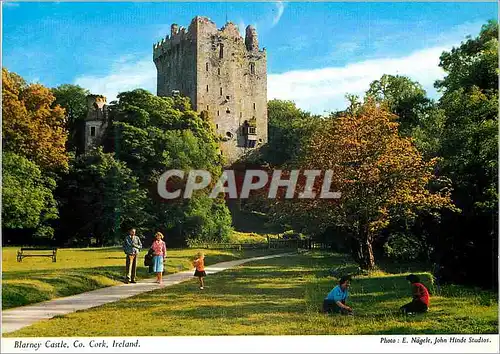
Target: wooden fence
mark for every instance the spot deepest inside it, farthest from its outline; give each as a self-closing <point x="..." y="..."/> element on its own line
<point x="272" y="243"/>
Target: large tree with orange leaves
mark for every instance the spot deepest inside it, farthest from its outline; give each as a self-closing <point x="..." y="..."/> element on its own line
<point x="30" y="126"/>
<point x="380" y="175"/>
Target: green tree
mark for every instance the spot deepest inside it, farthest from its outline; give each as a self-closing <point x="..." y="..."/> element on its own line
<point x="151" y="134"/>
<point x="289" y="130"/>
<point x="403" y="96"/>
<point x="73" y="99"/>
<point x="27" y="195"/>
<point x="100" y="198"/>
<point x="154" y="134"/>
<point x="470" y="153"/>
<point x="418" y="116"/>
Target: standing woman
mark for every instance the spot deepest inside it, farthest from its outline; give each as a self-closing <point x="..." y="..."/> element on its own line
<point x="159" y="253"/>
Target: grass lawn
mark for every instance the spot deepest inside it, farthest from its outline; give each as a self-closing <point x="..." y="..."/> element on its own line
<point x="250" y="237"/>
<point x="280" y="296"/>
<point x="78" y="270"/>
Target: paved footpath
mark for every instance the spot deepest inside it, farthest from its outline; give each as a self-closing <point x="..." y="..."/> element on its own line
<point x="24" y="316"/>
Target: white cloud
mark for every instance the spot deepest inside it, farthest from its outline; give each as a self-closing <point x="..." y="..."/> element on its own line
<point x="242" y="28"/>
<point x="321" y="90"/>
<point x="125" y="74"/>
<point x="280" y="8"/>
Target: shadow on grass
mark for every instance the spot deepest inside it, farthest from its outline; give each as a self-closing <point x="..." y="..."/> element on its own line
<point x="24" y="288"/>
<point x="15" y="295"/>
<point x="394" y="267"/>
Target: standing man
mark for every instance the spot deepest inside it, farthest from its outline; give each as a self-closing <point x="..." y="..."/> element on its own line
<point x="132" y="245"/>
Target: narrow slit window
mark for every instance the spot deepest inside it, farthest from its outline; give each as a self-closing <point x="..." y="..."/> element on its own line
<point x="218" y="113"/>
<point x="92" y="131"/>
<point x="207" y="107"/>
<point x="207" y="88"/>
<point x="252" y="68"/>
<point x="228" y="110"/>
<point x="221" y="51"/>
<point x="241" y="114"/>
<point x="227" y="98"/>
<point x="218" y="71"/>
<point x="254" y="105"/>
<point x="206" y="66"/>
<point x="221" y="91"/>
<point x="217" y="126"/>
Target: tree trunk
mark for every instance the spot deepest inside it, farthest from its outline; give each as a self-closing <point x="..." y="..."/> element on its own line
<point x="368" y="260"/>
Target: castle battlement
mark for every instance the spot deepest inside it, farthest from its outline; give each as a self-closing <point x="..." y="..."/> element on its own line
<point x="204" y="25"/>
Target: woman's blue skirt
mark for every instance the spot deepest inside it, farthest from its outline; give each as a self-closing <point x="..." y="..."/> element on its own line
<point x="158" y="264"/>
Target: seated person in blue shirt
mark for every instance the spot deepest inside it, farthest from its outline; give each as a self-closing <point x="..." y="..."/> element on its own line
<point x="335" y="300"/>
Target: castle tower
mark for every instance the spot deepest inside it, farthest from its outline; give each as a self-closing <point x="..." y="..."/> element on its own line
<point x="96" y="121"/>
<point x="223" y="75"/>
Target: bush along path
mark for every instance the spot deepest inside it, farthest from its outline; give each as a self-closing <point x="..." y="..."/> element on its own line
<point x="17" y="318"/>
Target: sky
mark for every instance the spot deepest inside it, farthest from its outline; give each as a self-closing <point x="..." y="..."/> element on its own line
<point x="317" y="51"/>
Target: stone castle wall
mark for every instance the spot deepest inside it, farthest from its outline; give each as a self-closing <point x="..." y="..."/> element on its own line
<point x="96" y="121"/>
<point x="223" y="74"/>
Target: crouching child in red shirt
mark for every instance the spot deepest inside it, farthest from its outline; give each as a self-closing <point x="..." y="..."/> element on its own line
<point x="420" y="302"/>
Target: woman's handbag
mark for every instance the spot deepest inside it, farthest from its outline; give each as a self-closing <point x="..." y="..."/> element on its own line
<point x="148" y="258"/>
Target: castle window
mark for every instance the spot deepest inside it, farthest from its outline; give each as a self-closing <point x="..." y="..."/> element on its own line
<point x="218" y="71"/>
<point x="218" y="113"/>
<point x="254" y="105"/>
<point x="227" y="98"/>
<point x="227" y="110"/>
<point x="241" y="114"/>
<point x="251" y="143"/>
<point x="221" y="91"/>
<point x="221" y="51"/>
<point x="207" y="88"/>
<point x="217" y="126"/>
<point x="92" y="131"/>
<point x="207" y="107"/>
<point x="206" y="66"/>
<point x="252" y="68"/>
